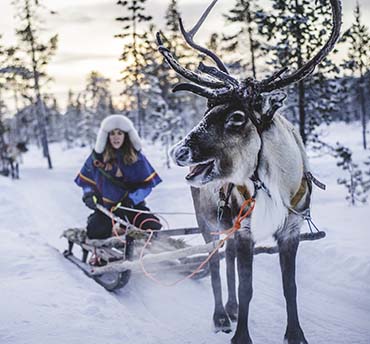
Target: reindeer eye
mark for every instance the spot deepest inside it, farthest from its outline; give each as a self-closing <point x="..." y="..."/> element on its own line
<point x="235" y="120"/>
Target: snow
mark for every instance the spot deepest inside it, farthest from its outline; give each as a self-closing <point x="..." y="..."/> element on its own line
<point x="45" y="299"/>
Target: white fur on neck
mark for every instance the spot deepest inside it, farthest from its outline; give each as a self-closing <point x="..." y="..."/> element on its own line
<point x="269" y="212"/>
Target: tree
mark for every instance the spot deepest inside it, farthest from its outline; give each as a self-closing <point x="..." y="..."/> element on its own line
<point x="133" y="55"/>
<point x="95" y="103"/>
<point x="355" y="184"/>
<point x="39" y="55"/>
<point x="54" y="120"/>
<point x="245" y="15"/>
<point x="184" y="105"/>
<point x="298" y="28"/>
<point x="3" y="130"/>
<point x="358" y="61"/>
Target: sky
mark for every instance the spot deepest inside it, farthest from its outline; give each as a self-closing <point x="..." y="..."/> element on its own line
<point x="86" y="30"/>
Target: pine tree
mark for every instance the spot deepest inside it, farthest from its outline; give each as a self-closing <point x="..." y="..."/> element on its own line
<point x="14" y="82"/>
<point x="358" y="62"/>
<point x="74" y="121"/>
<point x="3" y="130"/>
<point x="357" y="187"/>
<point x="95" y="105"/>
<point x="39" y="55"/>
<point x="367" y="174"/>
<point x="298" y="28"/>
<point x="245" y="14"/>
<point x="54" y="120"/>
<point x="70" y="120"/>
<point x="184" y="105"/>
<point x="133" y="55"/>
<point x="355" y="183"/>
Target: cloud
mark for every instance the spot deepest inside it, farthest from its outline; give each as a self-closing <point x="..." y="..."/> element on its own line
<point x="78" y="57"/>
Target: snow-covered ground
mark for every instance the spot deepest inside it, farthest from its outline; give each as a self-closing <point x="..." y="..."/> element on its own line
<point x="45" y="299"/>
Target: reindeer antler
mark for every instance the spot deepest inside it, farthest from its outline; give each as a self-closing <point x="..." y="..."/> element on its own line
<point x="212" y="83"/>
<point x="309" y="67"/>
<point x="217" y="85"/>
<point x="189" y="35"/>
<point x="203" y="80"/>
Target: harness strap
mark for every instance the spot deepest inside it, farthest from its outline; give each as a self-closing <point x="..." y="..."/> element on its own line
<point x="244" y="192"/>
<point x="311" y="178"/>
<point x="297" y="197"/>
<point x="299" y="194"/>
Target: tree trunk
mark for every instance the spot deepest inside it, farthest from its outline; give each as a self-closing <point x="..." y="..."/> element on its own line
<point x="251" y="44"/>
<point x="363" y="110"/>
<point x="302" y="112"/>
<point x="301" y="88"/>
<point x="40" y="109"/>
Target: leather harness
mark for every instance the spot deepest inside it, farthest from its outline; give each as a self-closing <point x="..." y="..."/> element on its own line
<point x="306" y="183"/>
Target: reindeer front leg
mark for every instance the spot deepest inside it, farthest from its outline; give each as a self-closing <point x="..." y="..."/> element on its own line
<point x="287" y="254"/>
<point x="220" y="318"/>
<point x="244" y="254"/>
<point x="231" y="306"/>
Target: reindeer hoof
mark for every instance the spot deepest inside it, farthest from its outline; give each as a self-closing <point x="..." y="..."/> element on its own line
<point x="241" y="339"/>
<point x="222" y="323"/>
<point x="295" y="336"/>
<point x="232" y="311"/>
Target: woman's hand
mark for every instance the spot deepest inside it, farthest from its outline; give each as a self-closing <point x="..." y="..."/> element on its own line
<point x="90" y="199"/>
<point x="127" y="202"/>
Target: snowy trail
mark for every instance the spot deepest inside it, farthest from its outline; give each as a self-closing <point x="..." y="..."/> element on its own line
<point x="44" y="299"/>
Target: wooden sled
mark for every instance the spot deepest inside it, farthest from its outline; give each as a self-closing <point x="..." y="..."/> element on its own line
<point x="104" y="260"/>
<point x="112" y="261"/>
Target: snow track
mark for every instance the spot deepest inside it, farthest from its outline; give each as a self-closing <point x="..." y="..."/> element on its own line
<point x="45" y="299"/>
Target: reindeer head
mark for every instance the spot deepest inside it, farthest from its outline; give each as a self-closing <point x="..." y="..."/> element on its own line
<point x="229" y="135"/>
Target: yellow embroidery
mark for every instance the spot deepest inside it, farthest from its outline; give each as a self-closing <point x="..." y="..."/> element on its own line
<point x="88" y="180"/>
<point x="150" y="177"/>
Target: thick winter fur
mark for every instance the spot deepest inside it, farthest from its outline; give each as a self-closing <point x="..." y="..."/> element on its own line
<point x="116" y="122"/>
<point x="228" y="143"/>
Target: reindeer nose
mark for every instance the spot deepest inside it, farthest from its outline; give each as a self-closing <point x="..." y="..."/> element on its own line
<point x="182" y="155"/>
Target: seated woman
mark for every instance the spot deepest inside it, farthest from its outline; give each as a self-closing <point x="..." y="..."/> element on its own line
<point x="117" y="172"/>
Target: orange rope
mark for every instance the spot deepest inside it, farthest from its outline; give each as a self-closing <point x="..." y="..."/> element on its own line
<point x="250" y="202"/>
<point x="114" y="228"/>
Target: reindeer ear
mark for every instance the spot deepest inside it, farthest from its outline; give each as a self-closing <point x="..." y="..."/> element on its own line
<point x="272" y="102"/>
<point x="276" y="99"/>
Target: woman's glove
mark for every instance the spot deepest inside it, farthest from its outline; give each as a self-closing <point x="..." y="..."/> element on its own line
<point x="127" y="202"/>
<point x="90" y="199"/>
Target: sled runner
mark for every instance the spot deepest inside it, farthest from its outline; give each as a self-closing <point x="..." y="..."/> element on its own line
<point x="111" y="262"/>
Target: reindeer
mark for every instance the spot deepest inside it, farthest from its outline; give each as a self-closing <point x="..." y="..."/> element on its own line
<point x="244" y="143"/>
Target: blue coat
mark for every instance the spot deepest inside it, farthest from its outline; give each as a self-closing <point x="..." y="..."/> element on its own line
<point x="91" y="178"/>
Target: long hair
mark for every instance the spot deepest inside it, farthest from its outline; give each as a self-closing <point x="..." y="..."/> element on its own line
<point x="127" y="151"/>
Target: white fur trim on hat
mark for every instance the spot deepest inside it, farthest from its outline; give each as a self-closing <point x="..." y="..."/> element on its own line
<point x="116" y="122"/>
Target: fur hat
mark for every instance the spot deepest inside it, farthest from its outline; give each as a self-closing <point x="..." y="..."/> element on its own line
<point x="116" y="122"/>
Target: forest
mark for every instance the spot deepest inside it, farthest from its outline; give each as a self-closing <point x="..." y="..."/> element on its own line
<point x="64" y="71"/>
<point x="260" y="41"/>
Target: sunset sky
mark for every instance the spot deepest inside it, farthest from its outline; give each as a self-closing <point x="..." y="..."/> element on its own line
<point x="86" y="29"/>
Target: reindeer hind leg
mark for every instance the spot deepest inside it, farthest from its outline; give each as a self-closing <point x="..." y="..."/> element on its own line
<point x="287" y="254"/>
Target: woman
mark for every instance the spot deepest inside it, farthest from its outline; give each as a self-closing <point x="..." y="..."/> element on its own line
<point x="116" y="173"/>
